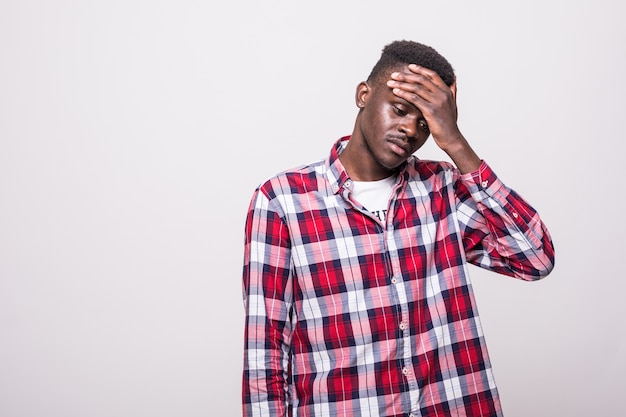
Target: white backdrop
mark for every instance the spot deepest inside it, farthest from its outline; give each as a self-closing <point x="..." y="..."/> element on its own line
<point x="133" y="132"/>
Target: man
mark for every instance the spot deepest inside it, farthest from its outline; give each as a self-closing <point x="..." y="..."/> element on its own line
<point x="356" y="287"/>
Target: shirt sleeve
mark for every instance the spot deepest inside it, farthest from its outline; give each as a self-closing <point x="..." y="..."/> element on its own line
<point x="501" y="231"/>
<point x="267" y="289"/>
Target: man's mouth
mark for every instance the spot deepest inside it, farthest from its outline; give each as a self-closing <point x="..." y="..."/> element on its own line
<point x="399" y="146"/>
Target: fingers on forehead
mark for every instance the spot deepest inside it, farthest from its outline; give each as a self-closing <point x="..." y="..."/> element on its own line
<point x="432" y="75"/>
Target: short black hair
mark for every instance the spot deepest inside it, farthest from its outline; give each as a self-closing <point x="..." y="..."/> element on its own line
<point x="400" y="53"/>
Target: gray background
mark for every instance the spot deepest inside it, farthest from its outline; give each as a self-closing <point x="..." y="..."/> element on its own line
<point x="132" y="134"/>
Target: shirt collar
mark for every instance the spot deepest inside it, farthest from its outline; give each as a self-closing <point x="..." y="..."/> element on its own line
<point x="337" y="176"/>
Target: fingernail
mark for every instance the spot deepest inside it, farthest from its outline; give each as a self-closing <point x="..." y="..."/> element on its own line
<point x="395" y="74"/>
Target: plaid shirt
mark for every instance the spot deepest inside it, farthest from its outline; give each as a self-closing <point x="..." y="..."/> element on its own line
<point x="346" y="316"/>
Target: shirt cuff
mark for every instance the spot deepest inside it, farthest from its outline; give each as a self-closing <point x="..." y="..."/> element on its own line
<point x="482" y="183"/>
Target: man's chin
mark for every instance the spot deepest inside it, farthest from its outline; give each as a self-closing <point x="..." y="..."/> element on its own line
<point x="392" y="164"/>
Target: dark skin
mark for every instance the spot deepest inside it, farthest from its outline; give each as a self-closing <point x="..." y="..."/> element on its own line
<point x="396" y="116"/>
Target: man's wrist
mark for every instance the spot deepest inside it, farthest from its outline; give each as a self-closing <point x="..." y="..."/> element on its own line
<point x="463" y="156"/>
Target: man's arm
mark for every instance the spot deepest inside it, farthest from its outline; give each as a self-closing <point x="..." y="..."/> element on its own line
<point x="267" y="301"/>
<point x="501" y="231"/>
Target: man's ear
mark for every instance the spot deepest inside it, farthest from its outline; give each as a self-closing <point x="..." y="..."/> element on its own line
<point x="362" y="92"/>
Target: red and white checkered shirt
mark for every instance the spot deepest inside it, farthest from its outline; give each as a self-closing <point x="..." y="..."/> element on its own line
<point x="346" y="316"/>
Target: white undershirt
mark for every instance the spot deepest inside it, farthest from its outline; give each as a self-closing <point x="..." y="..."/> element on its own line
<point x="374" y="195"/>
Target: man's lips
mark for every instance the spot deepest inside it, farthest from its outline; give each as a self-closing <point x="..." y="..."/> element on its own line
<point x="399" y="146"/>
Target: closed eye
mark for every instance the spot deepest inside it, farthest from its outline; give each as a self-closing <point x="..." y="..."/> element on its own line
<point x="399" y="111"/>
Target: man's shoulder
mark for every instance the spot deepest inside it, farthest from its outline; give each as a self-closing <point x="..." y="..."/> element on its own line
<point x="294" y="180"/>
<point x="424" y="169"/>
<point x="426" y="176"/>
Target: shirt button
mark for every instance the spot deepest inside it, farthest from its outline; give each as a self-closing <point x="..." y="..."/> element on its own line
<point x="515" y="215"/>
<point x="484" y="184"/>
<point x="394" y="280"/>
<point x="335" y="188"/>
<point x="348" y="184"/>
<point x="402" y="326"/>
<point x="405" y="371"/>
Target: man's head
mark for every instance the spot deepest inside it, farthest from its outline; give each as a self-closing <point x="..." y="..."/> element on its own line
<point x="398" y="54"/>
<point x="388" y="128"/>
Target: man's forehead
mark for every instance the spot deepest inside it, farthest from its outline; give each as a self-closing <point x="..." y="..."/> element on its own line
<point x="384" y="93"/>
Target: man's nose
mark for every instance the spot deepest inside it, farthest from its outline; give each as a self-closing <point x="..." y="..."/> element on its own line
<point x="408" y="126"/>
